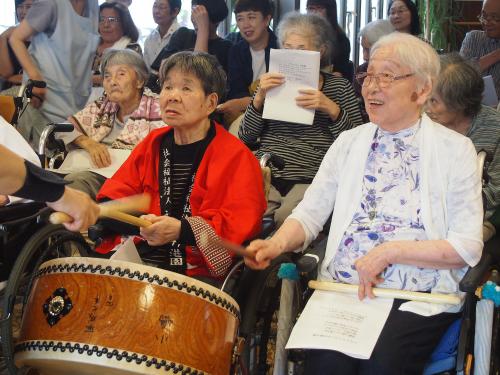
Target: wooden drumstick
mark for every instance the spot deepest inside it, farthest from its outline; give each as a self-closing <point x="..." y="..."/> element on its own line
<point x="114" y="210"/>
<point x="451" y="299"/>
<point x="239" y="250"/>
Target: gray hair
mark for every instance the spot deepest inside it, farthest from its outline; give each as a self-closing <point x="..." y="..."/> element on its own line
<point x="459" y="85"/>
<point x="203" y="66"/>
<point x="375" y="30"/>
<point x="413" y="53"/>
<point x="311" y="26"/>
<point x="125" y="57"/>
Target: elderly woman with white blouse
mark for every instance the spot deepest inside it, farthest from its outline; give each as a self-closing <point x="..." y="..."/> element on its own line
<point x="407" y="212"/>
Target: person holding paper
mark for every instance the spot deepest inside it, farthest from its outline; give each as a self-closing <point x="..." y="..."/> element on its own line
<point x="203" y="181"/>
<point x="120" y="119"/>
<point x="405" y="193"/>
<point x="301" y="146"/>
<point x="249" y="58"/>
<point x="456" y="104"/>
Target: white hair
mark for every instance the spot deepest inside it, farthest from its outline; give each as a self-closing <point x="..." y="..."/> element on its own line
<point x="412" y="52"/>
<point x="375" y="30"/>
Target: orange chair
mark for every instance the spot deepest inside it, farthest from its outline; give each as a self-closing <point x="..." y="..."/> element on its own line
<point x="7" y="108"/>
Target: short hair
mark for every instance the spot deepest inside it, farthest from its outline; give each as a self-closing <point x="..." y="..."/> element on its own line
<point x="459" y="85"/>
<point x="375" y="30"/>
<point x="125" y="57"/>
<point x="203" y="66"/>
<point x="175" y="4"/>
<point x="217" y="9"/>
<point x="331" y="12"/>
<point x="265" y="7"/>
<point x="128" y="25"/>
<point x="413" y="53"/>
<point x="415" y="19"/>
<point x="311" y="26"/>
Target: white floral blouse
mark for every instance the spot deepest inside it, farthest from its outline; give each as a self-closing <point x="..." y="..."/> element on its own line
<point x="389" y="211"/>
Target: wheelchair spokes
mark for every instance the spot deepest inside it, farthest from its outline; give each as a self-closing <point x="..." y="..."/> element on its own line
<point x="52" y="241"/>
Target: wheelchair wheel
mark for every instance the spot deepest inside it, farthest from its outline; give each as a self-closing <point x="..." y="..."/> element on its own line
<point x="259" y="323"/>
<point x="52" y="241"/>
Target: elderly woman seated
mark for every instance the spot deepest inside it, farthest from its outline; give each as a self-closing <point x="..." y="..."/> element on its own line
<point x="118" y="120"/>
<point x="301" y="146"/>
<point x="203" y="181"/>
<point x="407" y="212"/>
<point x="456" y="104"/>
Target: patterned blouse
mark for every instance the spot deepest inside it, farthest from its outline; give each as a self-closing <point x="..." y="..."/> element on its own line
<point x="389" y="211"/>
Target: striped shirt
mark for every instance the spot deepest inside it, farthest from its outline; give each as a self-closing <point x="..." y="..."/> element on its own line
<point x="485" y="134"/>
<point x="302" y="147"/>
<point x="475" y="45"/>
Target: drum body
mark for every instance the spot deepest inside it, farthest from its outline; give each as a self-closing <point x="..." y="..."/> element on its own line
<point x="94" y="316"/>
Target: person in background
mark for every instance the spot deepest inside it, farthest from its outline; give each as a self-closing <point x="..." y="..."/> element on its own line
<point x="341" y="47"/>
<point x="302" y="147"/>
<point x="64" y="39"/>
<point x="23" y="179"/>
<point x="119" y="120"/>
<point x="126" y="3"/>
<point x="10" y="68"/>
<point x="456" y="104"/>
<point x="117" y="31"/>
<point x="484" y="46"/>
<point x="405" y="197"/>
<point x="403" y="15"/>
<point x="165" y="15"/>
<point x="249" y="58"/>
<point x="206" y="16"/>
<point x="368" y="36"/>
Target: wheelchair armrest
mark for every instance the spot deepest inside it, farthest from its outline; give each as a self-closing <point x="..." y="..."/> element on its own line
<point x="475" y="275"/>
<point x="63" y="127"/>
<point x="268" y="225"/>
<point x="309" y="261"/>
<point x="110" y="227"/>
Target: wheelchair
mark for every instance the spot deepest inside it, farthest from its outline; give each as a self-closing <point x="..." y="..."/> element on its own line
<point x="454" y="354"/>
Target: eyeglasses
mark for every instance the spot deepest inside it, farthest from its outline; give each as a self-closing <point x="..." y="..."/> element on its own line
<point x="383" y="80"/>
<point x="103" y="19"/>
<point x="484" y="18"/>
<point x="23" y="7"/>
<point x="398" y="12"/>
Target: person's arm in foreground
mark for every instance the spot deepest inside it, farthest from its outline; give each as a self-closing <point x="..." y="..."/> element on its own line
<point x="25" y="180"/>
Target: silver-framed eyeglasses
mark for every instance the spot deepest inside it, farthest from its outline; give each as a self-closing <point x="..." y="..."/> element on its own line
<point x="110" y="19"/>
<point x="383" y="80"/>
<point x="484" y="18"/>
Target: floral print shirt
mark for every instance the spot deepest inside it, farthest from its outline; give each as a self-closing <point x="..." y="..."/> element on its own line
<point x="389" y="210"/>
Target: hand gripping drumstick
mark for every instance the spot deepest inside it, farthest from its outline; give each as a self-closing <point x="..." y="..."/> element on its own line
<point x="115" y="210"/>
<point x="451" y="299"/>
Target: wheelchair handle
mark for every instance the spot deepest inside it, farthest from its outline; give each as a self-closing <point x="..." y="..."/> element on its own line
<point x="451" y="299"/>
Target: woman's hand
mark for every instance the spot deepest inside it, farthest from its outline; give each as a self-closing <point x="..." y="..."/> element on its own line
<point x="163" y="229"/>
<point x="263" y="251"/>
<point x="315" y="99"/>
<point x="199" y="17"/>
<point x="267" y="82"/>
<point x="99" y="152"/>
<point x="370" y="267"/>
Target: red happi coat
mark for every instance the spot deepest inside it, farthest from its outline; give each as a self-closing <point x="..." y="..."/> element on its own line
<point x="228" y="192"/>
